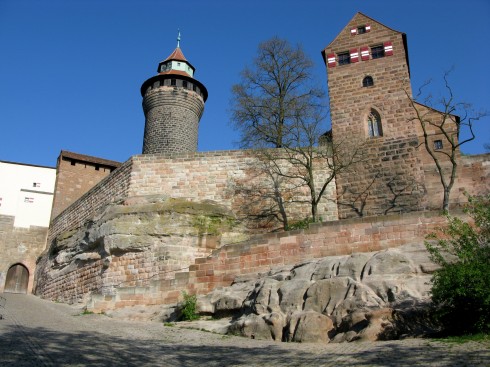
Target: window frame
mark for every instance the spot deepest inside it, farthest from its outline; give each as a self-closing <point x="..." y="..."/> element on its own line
<point x="361" y="29"/>
<point x="343" y="58"/>
<point x="438" y="144"/>
<point x="367" y="81"/>
<point x="377" y="52"/>
<point x="374" y="125"/>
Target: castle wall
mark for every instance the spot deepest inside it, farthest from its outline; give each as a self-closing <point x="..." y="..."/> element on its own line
<point x="161" y="203"/>
<point x="266" y="252"/>
<point x="221" y="177"/>
<point x="19" y="246"/>
<point x="110" y="189"/>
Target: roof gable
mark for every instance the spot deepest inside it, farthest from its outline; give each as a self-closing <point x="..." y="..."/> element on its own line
<point x="357" y="20"/>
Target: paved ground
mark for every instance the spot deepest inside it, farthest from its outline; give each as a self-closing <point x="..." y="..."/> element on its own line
<point x="34" y="332"/>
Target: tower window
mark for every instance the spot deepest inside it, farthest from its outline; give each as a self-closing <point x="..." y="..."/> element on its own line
<point x="184" y="84"/>
<point x="377" y="52"/>
<point x="344" y="58"/>
<point x="173" y="82"/>
<point x="361" y="30"/>
<point x="368" y="81"/>
<point x="374" y="124"/>
<point x="438" y="144"/>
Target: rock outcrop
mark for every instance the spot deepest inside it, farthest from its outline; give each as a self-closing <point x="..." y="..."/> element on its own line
<point x="132" y="242"/>
<point x="364" y="296"/>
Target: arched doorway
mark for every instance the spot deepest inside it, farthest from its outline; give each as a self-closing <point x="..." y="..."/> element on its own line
<point x="17" y="279"/>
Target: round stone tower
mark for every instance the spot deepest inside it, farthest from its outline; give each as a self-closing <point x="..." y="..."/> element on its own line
<point x="173" y="103"/>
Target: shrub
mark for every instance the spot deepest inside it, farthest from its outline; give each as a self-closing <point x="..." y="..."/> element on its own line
<point x="461" y="287"/>
<point x="189" y="307"/>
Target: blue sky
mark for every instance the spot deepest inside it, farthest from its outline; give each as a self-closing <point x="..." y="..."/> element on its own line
<point x="71" y="71"/>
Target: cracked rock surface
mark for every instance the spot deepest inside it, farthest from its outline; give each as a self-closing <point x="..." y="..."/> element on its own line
<point x="365" y="296"/>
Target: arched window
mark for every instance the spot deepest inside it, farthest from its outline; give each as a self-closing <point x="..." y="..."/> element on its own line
<point x="374" y="124"/>
<point x="368" y="81"/>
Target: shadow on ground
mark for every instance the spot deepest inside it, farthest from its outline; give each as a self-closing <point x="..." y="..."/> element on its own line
<point x="23" y="346"/>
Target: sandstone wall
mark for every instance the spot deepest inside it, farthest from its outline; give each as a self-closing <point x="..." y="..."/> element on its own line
<point x="172" y="117"/>
<point x="164" y="212"/>
<point x="112" y="188"/>
<point x="75" y="175"/>
<point x="270" y="250"/>
<point x="472" y="177"/>
<point x="222" y="177"/>
<point x="19" y="246"/>
<point x="389" y="179"/>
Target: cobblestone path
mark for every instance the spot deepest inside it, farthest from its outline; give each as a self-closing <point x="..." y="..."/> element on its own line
<point x="34" y="332"/>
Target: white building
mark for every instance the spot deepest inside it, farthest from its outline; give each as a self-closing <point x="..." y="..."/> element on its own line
<point x="26" y="193"/>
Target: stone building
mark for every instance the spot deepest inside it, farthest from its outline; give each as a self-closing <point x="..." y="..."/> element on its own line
<point x="75" y="175"/>
<point x="373" y="112"/>
<point x="26" y="197"/>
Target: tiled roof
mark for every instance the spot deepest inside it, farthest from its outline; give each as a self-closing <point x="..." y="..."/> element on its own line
<point x="170" y="72"/>
<point x="90" y="159"/>
<point x="176" y="55"/>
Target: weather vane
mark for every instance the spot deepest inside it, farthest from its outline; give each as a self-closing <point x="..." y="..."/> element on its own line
<point x="178" y="38"/>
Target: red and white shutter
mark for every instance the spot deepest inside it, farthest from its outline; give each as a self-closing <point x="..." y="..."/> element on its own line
<point x="368" y="28"/>
<point x="388" y="48"/>
<point x="331" y="60"/>
<point x="354" y="55"/>
<point x="364" y="53"/>
<point x="353" y="31"/>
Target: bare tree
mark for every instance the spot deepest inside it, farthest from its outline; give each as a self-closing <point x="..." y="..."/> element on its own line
<point x="278" y="105"/>
<point x="442" y="122"/>
<point x="272" y="93"/>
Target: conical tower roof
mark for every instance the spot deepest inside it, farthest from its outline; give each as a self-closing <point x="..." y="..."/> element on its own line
<point x="176" y="63"/>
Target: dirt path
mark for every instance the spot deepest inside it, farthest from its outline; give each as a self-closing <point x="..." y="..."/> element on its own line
<point x="34" y="332"/>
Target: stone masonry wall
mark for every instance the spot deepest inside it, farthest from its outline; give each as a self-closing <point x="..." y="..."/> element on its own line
<point x="114" y="187"/>
<point x="271" y="250"/>
<point x="19" y="246"/>
<point x="472" y="177"/>
<point x="172" y="119"/>
<point x="73" y="179"/>
<point x="220" y="177"/>
<point x="389" y="178"/>
<point x="211" y="179"/>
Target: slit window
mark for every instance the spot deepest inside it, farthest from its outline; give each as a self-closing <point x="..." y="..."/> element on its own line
<point x="184" y="84"/>
<point x="173" y="82"/>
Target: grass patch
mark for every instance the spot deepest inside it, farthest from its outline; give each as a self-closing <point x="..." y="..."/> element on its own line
<point x="169" y="324"/>
<point x="479" y="337"/>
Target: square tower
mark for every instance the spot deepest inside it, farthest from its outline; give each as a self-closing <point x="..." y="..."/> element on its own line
<point x="368" y="82"/>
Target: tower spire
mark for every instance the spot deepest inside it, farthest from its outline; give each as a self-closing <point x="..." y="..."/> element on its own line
<point x="178" y="38"/>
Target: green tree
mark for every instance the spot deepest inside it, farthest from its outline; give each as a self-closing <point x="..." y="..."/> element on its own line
<point x="461" y="287"/>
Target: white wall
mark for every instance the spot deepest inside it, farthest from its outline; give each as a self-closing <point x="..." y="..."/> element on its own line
<point x="30" y="204"/>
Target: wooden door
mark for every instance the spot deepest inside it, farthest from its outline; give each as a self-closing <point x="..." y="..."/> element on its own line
<point x="17" y="279"/>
